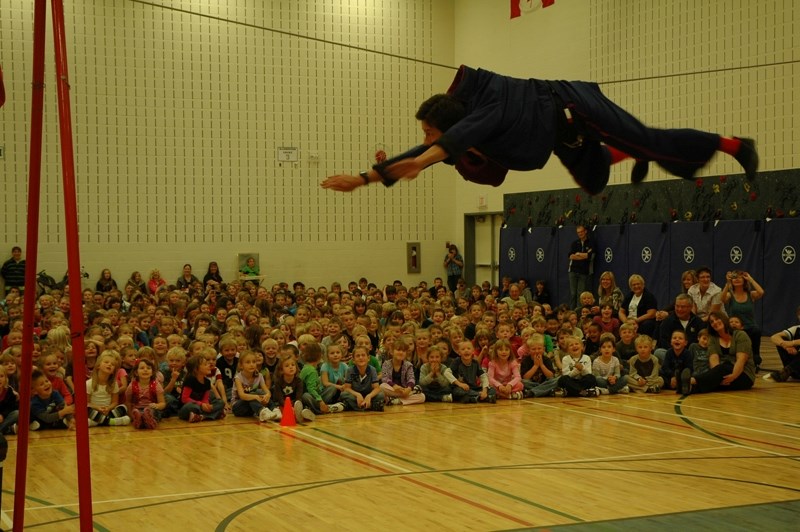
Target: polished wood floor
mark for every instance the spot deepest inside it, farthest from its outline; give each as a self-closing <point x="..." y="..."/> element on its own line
<point x="608" y="462"/>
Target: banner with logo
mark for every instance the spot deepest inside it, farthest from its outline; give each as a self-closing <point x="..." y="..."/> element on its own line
<point x="648" y="255"/>
<point x="612" y="254"/>
<point x="691" y="246"/>
<point x="542" y="258"/>
<point x="781" y="278"/>
<point x="739" y="245"/>
<point x="512" y="252"/>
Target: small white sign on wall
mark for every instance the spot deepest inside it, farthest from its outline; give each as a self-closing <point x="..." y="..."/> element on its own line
<point x="288" y="154"/>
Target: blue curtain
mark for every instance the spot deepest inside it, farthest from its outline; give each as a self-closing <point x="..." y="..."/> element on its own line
<point x="612" y="254"/>
<point x="739" y="245"/>
<point x="781" y="274"/>
<point x="648" y="255"/>
<point x="692" y="246"/>
<point x="512" y="252"/>
<point x="542" y="258"/>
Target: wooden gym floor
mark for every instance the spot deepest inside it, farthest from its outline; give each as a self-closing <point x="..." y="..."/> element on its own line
<point x="630" y="462"/>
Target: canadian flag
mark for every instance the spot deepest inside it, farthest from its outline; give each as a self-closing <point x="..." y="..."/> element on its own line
<point x="522" y="7"/>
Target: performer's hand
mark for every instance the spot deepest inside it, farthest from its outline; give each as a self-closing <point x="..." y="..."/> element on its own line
<point x="404" y="169"/>
<point x="343" y="182"/>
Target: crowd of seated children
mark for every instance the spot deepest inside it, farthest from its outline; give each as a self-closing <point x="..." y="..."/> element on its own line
<point x="200" y="351"/>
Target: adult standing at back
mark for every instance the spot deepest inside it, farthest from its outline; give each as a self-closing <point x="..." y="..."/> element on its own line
<point x="454" y="264"/>
<point x="13" y="270"/>
<point x="581" y="265"/>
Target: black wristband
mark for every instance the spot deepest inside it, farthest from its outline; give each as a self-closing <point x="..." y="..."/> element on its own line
<point x="365" y="177"/>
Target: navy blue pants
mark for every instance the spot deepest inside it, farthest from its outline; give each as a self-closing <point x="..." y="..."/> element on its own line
<point x="681" y="152"/>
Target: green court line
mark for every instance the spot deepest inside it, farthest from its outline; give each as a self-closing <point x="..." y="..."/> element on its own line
<point x="73" y="515"/>
<point x="694" y="425"/>
<point x="456" y="477"/>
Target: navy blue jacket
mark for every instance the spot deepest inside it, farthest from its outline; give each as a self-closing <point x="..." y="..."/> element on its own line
<point x="510" y="121"/>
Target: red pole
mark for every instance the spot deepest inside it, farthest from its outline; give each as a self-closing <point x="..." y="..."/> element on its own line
<point x="31" y="251"/>
<point x="74" y="268"/>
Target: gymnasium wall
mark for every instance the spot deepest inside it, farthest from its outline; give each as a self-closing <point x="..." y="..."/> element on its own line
<point x="179" y="108"/>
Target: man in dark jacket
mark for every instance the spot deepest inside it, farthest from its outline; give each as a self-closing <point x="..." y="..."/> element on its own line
<point x="13" y="270"/>
<point x="488" y="124"/>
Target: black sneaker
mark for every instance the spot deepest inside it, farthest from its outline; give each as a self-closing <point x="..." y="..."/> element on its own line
<point x="747" y="156"/>
<point x="780" y="376"/>
<point x="686" y="381"/>
<point x="639" y="171"/>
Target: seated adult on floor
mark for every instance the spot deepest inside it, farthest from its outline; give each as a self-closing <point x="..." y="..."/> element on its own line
<point x="680" y="319"/>
<point x="787" y="343"/>
<point x="640" y="305"/>
<point x="730" y="357"/>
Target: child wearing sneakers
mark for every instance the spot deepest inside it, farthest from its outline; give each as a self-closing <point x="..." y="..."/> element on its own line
<point x="643" y="369"/>
<point x="504" y="374"/>
<point x="397" y="376"/>
<point x="677" y="359"/>
<point x="539" y="375"/>
<point x="286" y="383"/>
<point x="361" y="388"/>
<point x="333" y="374"/>
<point x="576" y="371"/>
<point x="198" y="403"/>
<point x="472" y="382"/>
<point x="435" y="378"/>
<point x="250" y="395"/>
<point x="607" y="369"/>
<point x="102" y="392"/>
<point x="48" y="409"/>
<point x="315" y="392"/>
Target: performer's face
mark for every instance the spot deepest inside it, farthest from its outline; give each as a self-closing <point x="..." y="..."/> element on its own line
<point x="432" y="133"/>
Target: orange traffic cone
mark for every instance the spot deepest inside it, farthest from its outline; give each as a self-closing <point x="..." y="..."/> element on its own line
<point x="288" y="419"/>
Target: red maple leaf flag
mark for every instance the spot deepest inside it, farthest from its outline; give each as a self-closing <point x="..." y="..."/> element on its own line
<point x="522" y="7"/>
<point x="2" y="89"/>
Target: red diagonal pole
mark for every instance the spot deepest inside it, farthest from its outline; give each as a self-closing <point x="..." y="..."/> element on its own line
<point x="73" y="267"/>
<point x="31" y="252"/>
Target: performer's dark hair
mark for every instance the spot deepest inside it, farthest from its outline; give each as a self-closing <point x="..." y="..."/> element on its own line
<point x="441" y="111"/>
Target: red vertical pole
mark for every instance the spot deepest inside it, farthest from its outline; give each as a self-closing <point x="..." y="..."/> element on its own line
<point x="31" y="252"/>
<point x="73" y="267"/>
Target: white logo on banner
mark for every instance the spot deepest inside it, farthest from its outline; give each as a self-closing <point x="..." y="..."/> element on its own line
<point x="512" y="254"/>
<point x="736" y="254"/>
<point x="788" y="254"/>
<point x="609" y="255"/>
<point x="540" y="254"/>
<point x="647" y="254"/>
<point x="688" y="255"/>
